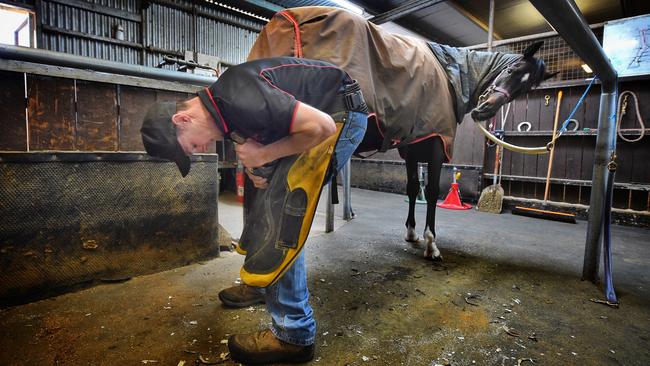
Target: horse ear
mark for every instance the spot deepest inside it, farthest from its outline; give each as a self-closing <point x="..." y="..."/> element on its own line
<point x="532" y="49"/>
<point x="548" y="75"/>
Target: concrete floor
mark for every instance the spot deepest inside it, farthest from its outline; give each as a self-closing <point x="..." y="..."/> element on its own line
<point x="377" y="302"/>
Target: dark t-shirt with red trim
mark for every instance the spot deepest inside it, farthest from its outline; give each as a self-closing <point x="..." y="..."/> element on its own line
<point x="258" y="99"/>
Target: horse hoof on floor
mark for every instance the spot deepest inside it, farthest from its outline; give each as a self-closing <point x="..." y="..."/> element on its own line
<point x="412" y="239"/>
<point x="411" y="236"/>
<point x="437" y="259"/>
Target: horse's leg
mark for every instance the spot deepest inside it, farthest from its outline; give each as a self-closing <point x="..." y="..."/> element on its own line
<point x="434" y="166"/>
<point x="412" y="190"/>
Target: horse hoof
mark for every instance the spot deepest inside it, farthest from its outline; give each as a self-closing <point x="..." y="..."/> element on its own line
<point x="431" y="258"/>
<point x="411" y="239"/>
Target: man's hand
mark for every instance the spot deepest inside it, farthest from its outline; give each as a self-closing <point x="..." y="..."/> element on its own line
<point x="251" y="153"/>
<point x="258" y="182"/>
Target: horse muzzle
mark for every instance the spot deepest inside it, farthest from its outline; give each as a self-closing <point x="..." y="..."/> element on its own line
<point x="489" y="107"/>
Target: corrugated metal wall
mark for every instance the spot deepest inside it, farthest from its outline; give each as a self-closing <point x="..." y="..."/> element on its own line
<point x="151" y="29"/>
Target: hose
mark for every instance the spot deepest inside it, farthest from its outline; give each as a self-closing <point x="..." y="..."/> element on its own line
<point x="623" y="111"/>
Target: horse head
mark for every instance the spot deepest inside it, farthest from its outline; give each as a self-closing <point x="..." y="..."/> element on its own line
<point x="517" y="78"/>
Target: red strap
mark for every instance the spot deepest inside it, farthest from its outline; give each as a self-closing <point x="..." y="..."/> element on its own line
<point x="297" y="43"/>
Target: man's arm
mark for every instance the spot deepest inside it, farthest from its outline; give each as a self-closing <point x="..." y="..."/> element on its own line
<point x="310" y="127"/>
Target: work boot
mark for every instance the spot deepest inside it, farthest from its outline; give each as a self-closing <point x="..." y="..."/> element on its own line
<point x="263" y="348"/>
<point x="241" y="296"/>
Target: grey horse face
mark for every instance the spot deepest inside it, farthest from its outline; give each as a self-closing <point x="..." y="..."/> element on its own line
<point x="513" y="81"/>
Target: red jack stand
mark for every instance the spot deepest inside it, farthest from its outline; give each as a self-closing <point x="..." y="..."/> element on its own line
<point x="452" y="201"/>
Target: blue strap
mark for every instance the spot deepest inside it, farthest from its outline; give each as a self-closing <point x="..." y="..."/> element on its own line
<point x="582" y="98"/>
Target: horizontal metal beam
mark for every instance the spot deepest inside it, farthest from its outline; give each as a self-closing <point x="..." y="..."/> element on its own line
<point x="80" y="62"/>
<point x="529" y="37"/>
<point x="100" y="9"/>
<point x="402" y="10"/>
<point x="219" y="18"/>
<point x="56" y="30"/>
<point x="30" y="68"/>
<point x="565" y="17"/>
<point x="75" y="156"/>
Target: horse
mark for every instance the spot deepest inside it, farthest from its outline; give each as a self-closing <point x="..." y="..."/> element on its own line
<point x="416" y="91"/>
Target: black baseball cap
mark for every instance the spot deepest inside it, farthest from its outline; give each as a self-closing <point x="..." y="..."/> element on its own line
<point x="159" y="135"/>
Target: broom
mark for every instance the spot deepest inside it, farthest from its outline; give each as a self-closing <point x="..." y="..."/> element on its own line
<point x="491" y="199"/>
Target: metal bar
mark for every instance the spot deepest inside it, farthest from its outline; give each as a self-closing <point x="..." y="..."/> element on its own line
<point x="569" y="182"/>
<point x="402" y="10"/>
<point x="490" y="27"/>
<point x="67" y="60"/>
<point x="99" y="9"/>
<point x="524" y="38"/>
<point x="17" y="31"/>
<point x="329" y="209"/>
<point x="565" y="17"/>
<point x="75" y="156"/>
<point x="51" y="29"/>
<point x="29" y="68"/>
<point x="347" y="194"/>
<point x="204" y="14"/>
<point x="605" y="146"/>
<point x="18" y="4"/>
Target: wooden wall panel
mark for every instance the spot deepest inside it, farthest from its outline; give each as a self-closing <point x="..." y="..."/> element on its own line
<point x="12" y="110"/>
<point x="641" y="160"/>
<point x="625" y="152"/>
<point x="96" y="116"/>
<point x="588" y="150"/>
<point x="533" y="110"/>
<point x="546" y="115"/>
<point x="571" y="194"/>
<point x="133" y="106"/>
<point x="591" y="107"/>
<point x="556" y="192"/>
<point x="51" y="113"/>
<point x="562" y="144"/>
<point x="532" y="116"/>
<point x="585" y="195"/>
<point x="528" y="190"/>
<point x="640" y="201"/>
<point x="518" y="113"/>
<point x="468" y="144"/>
<point x="547" y="112"/>
<point x="620" y="198"/>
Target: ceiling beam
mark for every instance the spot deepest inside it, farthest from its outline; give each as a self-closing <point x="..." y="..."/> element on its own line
<point x="402" y="10"/>
<point x="474" y="19"/>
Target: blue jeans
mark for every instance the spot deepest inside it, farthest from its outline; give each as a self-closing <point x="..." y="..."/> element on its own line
<point x="287" y="299"/>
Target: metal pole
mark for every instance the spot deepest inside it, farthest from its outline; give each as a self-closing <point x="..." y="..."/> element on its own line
<point x="490" y="27"/>
<point x="605" y="145"/>
<point x="347" y="194"/>
<point x="79" y="62"/>
<point x="329" y="211"/>
<point x="565" y="17"/>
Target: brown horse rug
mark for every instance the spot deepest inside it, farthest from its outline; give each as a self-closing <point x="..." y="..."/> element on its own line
<point x="413" y="88"/>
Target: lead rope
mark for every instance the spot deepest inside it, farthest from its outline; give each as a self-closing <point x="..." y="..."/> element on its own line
<point x="570" y="119"/>
<point x="504" y="117"/>
<point x="622" y="110"/>
<point x="610" y="294"/>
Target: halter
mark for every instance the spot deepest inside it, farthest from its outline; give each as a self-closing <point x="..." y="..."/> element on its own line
<point x="493" y="87"/>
